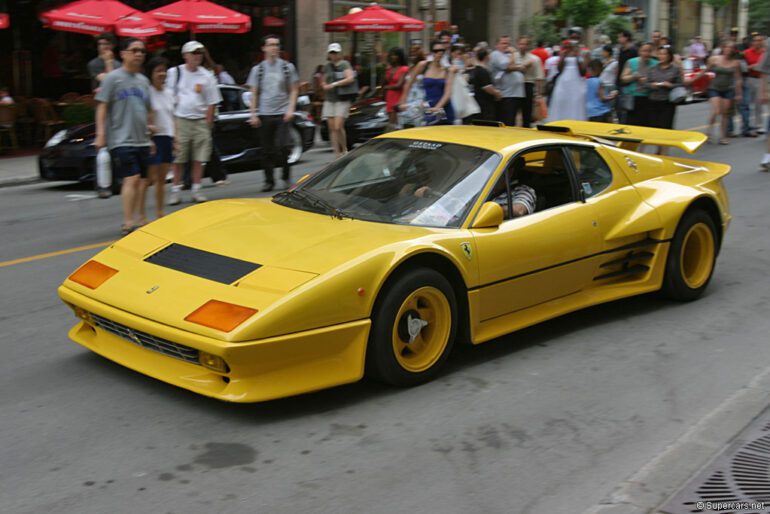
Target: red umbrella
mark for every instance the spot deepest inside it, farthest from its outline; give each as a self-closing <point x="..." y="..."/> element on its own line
<point x="98" y="16"/>
<point x="273" y="21"/>
<point x="5" y="20"/>
<point x="201" y="16"/>
<point x="374" y="19"/>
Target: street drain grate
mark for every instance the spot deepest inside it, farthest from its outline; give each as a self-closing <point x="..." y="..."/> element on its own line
<point x="736" y="482"/>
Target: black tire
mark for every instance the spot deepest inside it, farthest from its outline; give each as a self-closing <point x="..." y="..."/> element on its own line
<point x="691" y="257"/>
<point x="390" y="356"/>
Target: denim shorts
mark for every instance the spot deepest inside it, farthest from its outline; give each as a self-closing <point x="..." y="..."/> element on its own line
<point x="728" y="95"/>
<point x="164" y="150"/>
<point x="128" y="161"/>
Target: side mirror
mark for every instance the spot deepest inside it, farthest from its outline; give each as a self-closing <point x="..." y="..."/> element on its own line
<point x="490" y="216"/>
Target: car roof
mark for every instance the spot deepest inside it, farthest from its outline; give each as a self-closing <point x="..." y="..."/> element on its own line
<point x="497" y="139"/>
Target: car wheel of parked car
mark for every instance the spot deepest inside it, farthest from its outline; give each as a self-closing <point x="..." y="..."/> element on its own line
<point x="295" y="145"/>
<point x="413" y="328"/>
<point x="691" y="257"/>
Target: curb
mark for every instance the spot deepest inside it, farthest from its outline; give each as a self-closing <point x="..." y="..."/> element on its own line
<point x="19" y="181"/>
<point x="665" y="474"/>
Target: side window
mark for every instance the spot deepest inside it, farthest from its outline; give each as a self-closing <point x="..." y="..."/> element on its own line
<point x="594" y="176"/>
<point x="230" y="100"/>
<point x="535" y="180"/>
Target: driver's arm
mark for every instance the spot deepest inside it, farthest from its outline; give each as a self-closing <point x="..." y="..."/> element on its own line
<point x="524" y="200"/>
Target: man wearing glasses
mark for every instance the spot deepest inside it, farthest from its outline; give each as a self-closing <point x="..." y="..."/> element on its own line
<point x="196" y="95"/>
<point x="124" y="121"/>
<point x="274" y="88"/>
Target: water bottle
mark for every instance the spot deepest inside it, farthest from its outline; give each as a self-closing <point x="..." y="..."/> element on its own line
<point x="103" y="169"/>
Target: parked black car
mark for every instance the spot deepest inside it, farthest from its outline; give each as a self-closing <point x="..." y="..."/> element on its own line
<point x="70" y="153"/>
<point x="367" y="119"/>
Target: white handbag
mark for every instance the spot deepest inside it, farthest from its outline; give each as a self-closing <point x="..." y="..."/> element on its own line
<point x="462" y="100"/>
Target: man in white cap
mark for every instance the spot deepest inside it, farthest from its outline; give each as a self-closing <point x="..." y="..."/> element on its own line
<point x="337" y="73"/>
<point x="274" y="89"/>
<point x="196" y="96"/>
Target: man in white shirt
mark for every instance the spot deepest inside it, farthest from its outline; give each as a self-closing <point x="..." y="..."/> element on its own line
<point x="196" y="96"/>
<point x="508" y="75"/>
<point x="534" y="78"/>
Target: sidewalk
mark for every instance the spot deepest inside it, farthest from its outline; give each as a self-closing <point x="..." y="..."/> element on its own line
<point x="15" y="171"/>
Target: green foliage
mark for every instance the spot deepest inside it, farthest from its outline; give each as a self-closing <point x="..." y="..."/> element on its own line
<point x="614" y="24"/>
<point x="759" y="16"/>
<point x="541" y="27"/>
<point x="585" y="13"/>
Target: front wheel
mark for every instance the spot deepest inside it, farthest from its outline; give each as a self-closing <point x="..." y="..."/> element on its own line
<point x="413" y="329"/>
<point x="691" y="258"/>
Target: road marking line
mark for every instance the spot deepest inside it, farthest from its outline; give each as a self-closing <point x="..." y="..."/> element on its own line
<point x="79" y="197"/>
<point x="48" y="255"/>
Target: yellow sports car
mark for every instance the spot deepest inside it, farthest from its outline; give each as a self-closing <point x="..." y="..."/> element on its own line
<point x="379" y="263"/>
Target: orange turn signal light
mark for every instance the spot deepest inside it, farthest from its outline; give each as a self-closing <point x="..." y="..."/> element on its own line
<point x="220" y="315"/>
<point x="92" y="274"/>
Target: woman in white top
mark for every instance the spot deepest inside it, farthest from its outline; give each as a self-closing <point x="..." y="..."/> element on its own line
<point x="162" y="101"/>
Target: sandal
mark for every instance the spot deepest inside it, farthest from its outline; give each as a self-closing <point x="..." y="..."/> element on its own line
<point x="125" y="230"/>
<point x="724" y="142"/>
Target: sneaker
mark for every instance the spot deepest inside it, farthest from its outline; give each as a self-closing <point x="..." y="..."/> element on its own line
<point x="765" y="166"/>
<point x="268" y="187"/>
<point x="103" y="193"/>
<point x="221" y="182"/>
<point x="198" y="198"/>
<point x="173" y="198"/>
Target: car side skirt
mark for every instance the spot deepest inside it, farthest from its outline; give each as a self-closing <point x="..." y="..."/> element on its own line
<point x="601" y="291"/>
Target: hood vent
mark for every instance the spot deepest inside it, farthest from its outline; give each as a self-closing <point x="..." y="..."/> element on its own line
<point x="202" y="264"/>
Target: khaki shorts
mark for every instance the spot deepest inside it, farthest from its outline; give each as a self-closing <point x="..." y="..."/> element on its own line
<point x="335" y="110"/>
<point x="194" y="134"/>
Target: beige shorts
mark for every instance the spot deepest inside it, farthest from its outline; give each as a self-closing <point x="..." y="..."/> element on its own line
<point x="335" y="110"/>
<point x="194" y="134"/>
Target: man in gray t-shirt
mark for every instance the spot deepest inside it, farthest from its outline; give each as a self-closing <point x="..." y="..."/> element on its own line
<point x="274" y="88"/>
<point x="124" y="119"/>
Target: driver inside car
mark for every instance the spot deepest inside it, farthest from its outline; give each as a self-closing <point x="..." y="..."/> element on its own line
<point x="523" y="197"/>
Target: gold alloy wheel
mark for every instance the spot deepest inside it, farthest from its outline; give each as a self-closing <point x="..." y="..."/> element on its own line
<point x="696" y="259"/>
<point x="421" y="329"/>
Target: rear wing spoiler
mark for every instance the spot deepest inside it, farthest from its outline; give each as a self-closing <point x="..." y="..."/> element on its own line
<point x="629" y="136"/>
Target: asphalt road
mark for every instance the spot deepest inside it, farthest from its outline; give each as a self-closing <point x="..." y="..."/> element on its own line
<point x="547" y="420"/>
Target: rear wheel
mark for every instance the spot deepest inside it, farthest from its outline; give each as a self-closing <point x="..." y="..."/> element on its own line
<point x="692" y="257"/>
<point x="413" y="328"/>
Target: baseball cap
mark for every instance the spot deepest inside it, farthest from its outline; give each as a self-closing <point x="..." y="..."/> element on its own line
<point x="334" y="47"/>
<point x="192" y="46"/>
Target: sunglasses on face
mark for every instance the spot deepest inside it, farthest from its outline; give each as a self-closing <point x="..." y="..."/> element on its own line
<point x="198" y="52"/>
<point x="435" y="50"/>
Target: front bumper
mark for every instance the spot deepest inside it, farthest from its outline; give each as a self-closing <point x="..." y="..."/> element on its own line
<point x="259" y="370"/>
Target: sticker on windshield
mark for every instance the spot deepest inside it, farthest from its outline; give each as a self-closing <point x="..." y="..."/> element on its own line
<point x="425" y="145"/>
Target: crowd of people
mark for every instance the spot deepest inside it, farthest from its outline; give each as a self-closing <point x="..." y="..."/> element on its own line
<point x="153" y="116"/>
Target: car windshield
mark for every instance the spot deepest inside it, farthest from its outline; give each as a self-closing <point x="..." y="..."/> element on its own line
<point x="401" y="181"/>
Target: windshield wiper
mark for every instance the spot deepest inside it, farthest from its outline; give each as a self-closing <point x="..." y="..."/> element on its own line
<point x="315" y="201"/>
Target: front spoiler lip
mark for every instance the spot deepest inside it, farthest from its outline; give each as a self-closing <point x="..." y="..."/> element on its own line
<point x="260" y="370"/>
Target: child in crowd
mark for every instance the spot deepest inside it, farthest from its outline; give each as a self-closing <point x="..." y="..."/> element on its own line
<point x="597" y="103"/>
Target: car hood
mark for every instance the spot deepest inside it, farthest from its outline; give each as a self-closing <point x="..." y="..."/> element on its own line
<point x="266" y="233"/>
<point x="302" y="270"/>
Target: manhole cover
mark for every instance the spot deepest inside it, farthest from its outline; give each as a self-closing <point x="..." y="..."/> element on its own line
<point x="736" y="482"/>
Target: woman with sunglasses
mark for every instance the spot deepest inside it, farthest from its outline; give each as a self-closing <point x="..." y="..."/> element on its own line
<point x="436" y="82"/>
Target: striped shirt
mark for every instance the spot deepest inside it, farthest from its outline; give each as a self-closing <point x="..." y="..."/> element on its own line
<point x="522" y="195"/>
